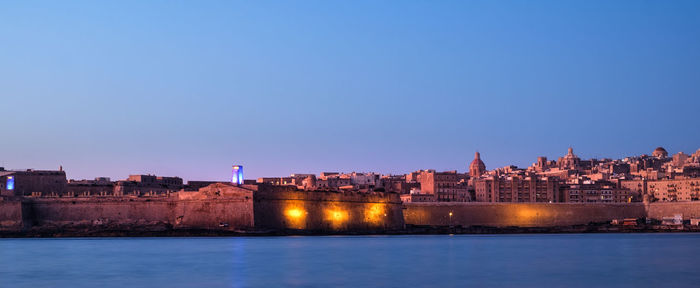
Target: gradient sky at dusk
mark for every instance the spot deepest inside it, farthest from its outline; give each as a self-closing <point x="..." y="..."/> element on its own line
<point x="185" y="88"/>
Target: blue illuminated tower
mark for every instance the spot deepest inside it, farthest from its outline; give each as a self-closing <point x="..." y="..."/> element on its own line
<point x="237" y="175"/>
<point x="10" y="183"/>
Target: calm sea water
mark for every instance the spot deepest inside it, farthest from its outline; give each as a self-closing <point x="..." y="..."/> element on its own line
<point x="563" y="260"/>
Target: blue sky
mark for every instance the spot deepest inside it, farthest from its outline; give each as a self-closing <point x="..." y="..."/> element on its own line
<point x="188" y="89"/>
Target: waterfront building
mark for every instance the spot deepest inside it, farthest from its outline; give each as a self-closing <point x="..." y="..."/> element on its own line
<point x="365" y="180"/>
<point x="674" y="190"/>
<point x="590" y="191"/>
<point x="278" y="181"/>
<point x="517" y="189"/>
<point x="448" y="186"/>
<point x="397" y="184"/>
<point x="333" y="183"/>
<point x="147" y="185"/>
<point x="418" y="197"/>
<point x="31" y="182"/>
<point x="101" y="186"/>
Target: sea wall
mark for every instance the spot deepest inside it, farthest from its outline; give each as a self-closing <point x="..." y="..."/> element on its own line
<point x="286" y="209"/>
<point x="215" y="207"/>
<point x="11" y="218"/>
<point x="689" y="210"/>
<point x="167" y="213"/>
<point x="218" y="207"/>
<point x="222" y="214"/>
<point x="268" y="208"/>
<point x="517" y="214"/>
<point x="61" y="213"/>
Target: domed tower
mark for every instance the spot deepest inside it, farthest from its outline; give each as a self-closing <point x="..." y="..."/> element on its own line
<point x="660" y="153"/>
<point x="477" y="167"/>
<point x="569" y="161"/>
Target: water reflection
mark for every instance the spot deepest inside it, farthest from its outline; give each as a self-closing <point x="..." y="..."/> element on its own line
<point x="613" y="260"/>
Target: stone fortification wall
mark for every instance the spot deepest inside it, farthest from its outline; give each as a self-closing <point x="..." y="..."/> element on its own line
<point x="227" y="207"/>
<point x="217" y="206"/>
<point x="283" y="208"/>
<point x="689" y="210"/>
<point x="92" y="211"/>
<point x="11" y="215"/>
<point x="517" y="214"/>
<point x="221" y="207"/>
<point x="223" y="214"/>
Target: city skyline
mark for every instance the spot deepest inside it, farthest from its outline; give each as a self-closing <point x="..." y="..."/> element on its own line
<point x="463" y="169"/>
<point x="363" y="143"/>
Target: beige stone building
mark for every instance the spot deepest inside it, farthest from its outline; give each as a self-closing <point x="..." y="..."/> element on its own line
<point x="679" y="190"/>
<point x="516" y="189"/>
<point x="32" y="182"/>
<point x="415" y="198"/>
<point x="589" y="191"/>
<point x="448" y="186"/>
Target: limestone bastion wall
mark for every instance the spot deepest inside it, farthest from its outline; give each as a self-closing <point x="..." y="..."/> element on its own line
<point x="227" y="207"/>
<point x="689" y="210"/>
<point x="11" y="215"/>
<point x="216" y="207"/>
<point x="327" y="211"/>
<point x="222" y="214"/>
<point x="518" y="214"/>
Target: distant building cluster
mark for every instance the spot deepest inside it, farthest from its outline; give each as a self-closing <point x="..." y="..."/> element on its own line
<point x="41" y="183"/>
<point x="569" y="179"/>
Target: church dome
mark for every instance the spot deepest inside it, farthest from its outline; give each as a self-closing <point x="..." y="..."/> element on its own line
<point x="569" y="161"/>
<point x="660" y="152"/>
<point x="477" y="167"/>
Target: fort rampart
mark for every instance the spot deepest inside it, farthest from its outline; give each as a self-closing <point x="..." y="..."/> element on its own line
<point x="116" y="213"/>
<point x="540" y="214"/>
<point x="517" y="214"/>
<point x="328" y="211"/>
<point x="689" y="210"/>
<point x="222" y="207"/>
<point x="11" y="216"/>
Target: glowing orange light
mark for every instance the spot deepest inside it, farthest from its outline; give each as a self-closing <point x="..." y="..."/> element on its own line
<point x="294" y="213"/>
<point x="296" y="217"/>
<point x="526" y="213"/>
<point x="336" y="217"/>
<point x="373" y="214"/>
<point x="527" y="216"/>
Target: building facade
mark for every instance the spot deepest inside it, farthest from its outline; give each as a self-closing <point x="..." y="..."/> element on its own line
<point x="517" y="189"/>
<point x="448" y="186"/>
